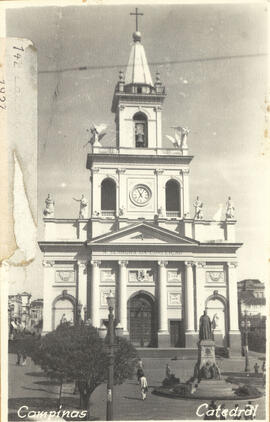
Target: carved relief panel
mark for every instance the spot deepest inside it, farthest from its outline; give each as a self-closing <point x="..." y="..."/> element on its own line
<point x="141" y="275"/>
<point x="65" y="273"/>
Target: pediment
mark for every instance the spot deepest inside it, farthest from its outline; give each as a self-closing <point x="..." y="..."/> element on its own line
<point x="143" y="234"/>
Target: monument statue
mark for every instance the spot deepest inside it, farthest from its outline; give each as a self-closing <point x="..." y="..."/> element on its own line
<point x="48" y="212"/>
<point x="230" y="209"/>
<point x="198" y="205"/>
<point x="83" y="206"/>
<point x="205" y="331"/>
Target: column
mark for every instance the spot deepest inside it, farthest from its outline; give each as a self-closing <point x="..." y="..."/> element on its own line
<point x="49" y="275"/>
<point x="186" y="192"/>
<point x="95" y="299"/>
<point x="163" y="334"/>
<point x="122" y="295"/>
<point x="200" y="293"/>
<point x="234" y="333"/>
<point x="82" y="288"/>
<point x="190" y="335"/>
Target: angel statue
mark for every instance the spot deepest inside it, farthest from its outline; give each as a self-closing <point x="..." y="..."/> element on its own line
<point x="184" y="131"/>
<point x="49" y="209"/>
<point x="180" y="136"/>
<point x="83" y="206"/>
<point x="176" y="140"/>
<point x="230" y="209"/>
<point x="97" y="133"/>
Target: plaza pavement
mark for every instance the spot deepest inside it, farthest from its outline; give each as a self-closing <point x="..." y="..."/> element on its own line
<point x="28" y="386"/>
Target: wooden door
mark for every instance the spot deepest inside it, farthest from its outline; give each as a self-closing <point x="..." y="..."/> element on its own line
<point x="141" y="321"/>
<point x="177" y="333"/>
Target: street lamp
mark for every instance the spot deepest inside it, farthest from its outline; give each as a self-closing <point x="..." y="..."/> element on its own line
<point x="245" y="326"/>
<point x="111" y="304"/>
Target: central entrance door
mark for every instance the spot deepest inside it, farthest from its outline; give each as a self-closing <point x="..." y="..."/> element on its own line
<point x="141" y="321"/>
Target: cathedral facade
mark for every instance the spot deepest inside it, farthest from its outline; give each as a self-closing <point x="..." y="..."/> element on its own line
<point x="140" y="240"/>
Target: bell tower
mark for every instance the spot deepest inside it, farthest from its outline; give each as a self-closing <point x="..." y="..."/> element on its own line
<point x="137" y="102"/>
<point x="138" y="179"/>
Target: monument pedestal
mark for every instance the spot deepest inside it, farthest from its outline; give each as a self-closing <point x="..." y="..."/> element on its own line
<point x="206" y="353"/>
<point x="214" y="388"/>
<point x="206" y="367"/>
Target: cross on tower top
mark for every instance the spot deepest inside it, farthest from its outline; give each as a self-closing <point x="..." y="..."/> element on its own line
<point x="137" y="14"/>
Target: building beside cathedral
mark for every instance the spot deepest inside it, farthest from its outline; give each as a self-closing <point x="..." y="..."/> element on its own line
<point x="140" y="240"/>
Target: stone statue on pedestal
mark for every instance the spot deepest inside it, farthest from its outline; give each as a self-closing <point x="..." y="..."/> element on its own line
<point x="205" y="331"/>
<point x="230" y="209"/>
<point x="83" y="206"/>
<point x="49" y="209"/>
<point x="198" y="205"/>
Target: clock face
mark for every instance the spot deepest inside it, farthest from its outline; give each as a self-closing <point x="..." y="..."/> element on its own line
<point x="140" y="195"/>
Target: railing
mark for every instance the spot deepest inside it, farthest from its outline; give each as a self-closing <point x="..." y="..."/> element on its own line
<point x="172" y="214"/>
<point x="108" y="213"/>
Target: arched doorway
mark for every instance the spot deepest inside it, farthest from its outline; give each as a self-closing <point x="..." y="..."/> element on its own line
<point x="216" y="311"/>
<point x="63" y="305"/>
<point x="142" y="326"/>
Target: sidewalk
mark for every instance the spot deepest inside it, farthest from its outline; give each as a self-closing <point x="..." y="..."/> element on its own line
<point x="28" y="386"/>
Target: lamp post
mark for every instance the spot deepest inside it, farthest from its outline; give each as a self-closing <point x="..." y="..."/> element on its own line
<point x="245" y="326"/>
<point x="111" y="304"/>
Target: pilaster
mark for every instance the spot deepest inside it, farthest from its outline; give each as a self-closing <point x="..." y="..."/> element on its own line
<point x="163" y="333"/>
<point x="200" y="294"/>
<point x="234" y="333"/>
<point x="160" y="192"/>
<point x="95" y="300"/>
<point x="186" y="192"/>
<point x="48" y="271"/>
<point x="96" y="192"/>
<point x="190" y="335"/>
<point x="121" y="201"/>
<point x="122" y="309"/>
<point x="82" y="287"/>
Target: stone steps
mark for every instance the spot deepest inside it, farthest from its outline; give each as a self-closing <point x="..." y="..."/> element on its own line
<point x="169" y="353"/>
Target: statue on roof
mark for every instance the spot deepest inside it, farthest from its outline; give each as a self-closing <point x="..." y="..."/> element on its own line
<point x="97" y="133"/>
<point x="230" y="209"/>
<point x="48" y="211"/>
<point x="83" y="206"/>
<point x="198" y="205"/>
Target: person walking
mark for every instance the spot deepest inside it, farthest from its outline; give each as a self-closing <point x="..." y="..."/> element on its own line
<point x="140" y="374"/>
<point x="24" y="357"/>
<point x="144" y="386"/>
<point x="18" y="353"/>
<point x="256" y="368"/>
<point x="140" y="363"/>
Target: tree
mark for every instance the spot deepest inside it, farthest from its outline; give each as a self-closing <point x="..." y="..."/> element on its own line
<point x="77" y="353"/>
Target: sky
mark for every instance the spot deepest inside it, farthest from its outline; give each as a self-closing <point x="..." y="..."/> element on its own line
<point x="212" y="61"/>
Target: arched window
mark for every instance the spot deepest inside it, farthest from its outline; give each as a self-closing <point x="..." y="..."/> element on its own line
<point x="140" y="130"/>
<point x="108" y="197"/>
<point x="172" y="199"/>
